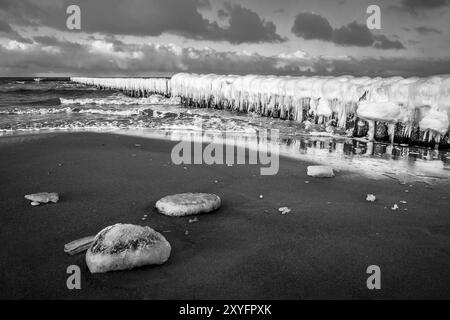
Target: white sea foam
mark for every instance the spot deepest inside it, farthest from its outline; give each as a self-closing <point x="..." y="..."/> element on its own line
<point x="122" y="100"/>
<point x="43" y="111"/>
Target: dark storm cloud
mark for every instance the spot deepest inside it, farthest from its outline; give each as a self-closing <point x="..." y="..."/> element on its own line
<point x="417" y="5"/>
<point x="386" y="67"/>
<point x="246" y="25"/>
<point x="313" y="26"/>
<point x="7" y="31"/>
<point x="427" y="30"/>
<point x="203" y="4"/>
<point x="151" y="17"/>
<point x="47" y="41"/>
<point x="353" y="34"/>
<point x="413" y="42"/>
<point x="5" y="27"/>
<point x="103" y="58"/>
<point x="222" y="14"/>
<point x="419" y="8"/>
<point x="148" y="18"/>
<point x="383" y="42"/>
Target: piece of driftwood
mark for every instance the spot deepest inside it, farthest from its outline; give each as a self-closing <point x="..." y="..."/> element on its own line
<point x="79" y="245"/>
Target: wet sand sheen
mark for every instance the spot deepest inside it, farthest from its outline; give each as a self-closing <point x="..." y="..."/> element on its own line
<point x="245" y="250"/>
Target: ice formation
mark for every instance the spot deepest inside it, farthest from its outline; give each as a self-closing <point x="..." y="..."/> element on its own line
<point x="136" y="87"/>
<point x="403" y="105"/>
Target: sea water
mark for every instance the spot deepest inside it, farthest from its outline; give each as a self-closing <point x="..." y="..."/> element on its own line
<point x="58" y="105"/>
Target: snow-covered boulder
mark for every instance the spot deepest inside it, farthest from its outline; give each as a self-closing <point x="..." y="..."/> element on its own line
<point x="126" y="246"/>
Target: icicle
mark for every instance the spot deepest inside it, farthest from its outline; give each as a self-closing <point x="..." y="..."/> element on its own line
<point x="391" y="132"/>
<point x="371" y="132"/>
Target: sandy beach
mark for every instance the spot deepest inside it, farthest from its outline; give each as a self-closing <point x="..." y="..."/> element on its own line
<point x="245" y="250"/>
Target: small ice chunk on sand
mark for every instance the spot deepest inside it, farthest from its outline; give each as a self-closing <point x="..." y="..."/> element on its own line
<point x="402" y="201"/>
<point x="395" y="207"/>
<point x="34" y="203"/>
<point x="193" y="220"/>
<point x="43" y="197"/>
<point x="284" y="210"/>
<point x="370" y="197"/>
<point x="320" y="171"/>
<point x="261" y="196"/>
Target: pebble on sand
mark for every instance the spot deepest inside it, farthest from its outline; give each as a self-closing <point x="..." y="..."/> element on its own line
<point x="394" y="207"/>
<point x="34" y="203"/>
<point x="370" y="197"/>
<point x="320" y="171"/>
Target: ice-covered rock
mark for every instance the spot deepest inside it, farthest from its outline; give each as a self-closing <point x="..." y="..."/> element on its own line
<point x="126" y="246"/>
<point x="320" y="171"/>
<point x="184" y="204"/>
<point x="43" y="197"/>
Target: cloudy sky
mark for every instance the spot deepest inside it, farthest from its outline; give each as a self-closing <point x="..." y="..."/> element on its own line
<point x="295" y="37"/>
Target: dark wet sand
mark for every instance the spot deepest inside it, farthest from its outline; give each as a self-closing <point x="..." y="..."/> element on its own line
<point x="245" y="250"/>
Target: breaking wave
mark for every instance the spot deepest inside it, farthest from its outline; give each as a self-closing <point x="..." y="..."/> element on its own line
<point x="123" y="100"/>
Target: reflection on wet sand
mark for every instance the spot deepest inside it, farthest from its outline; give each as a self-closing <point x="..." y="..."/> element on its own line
<point x="375" y="160"/>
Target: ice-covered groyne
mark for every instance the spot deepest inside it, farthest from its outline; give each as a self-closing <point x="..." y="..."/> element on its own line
<point x="136" y="87"/>
<point x="407" y="109"/>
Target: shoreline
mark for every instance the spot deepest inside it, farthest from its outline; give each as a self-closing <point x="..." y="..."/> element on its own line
<point x="385" y="165"/>
<point x="245" y="250"/>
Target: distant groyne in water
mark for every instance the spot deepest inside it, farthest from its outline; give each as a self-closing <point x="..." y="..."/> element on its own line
<point x="405" y="110"/>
